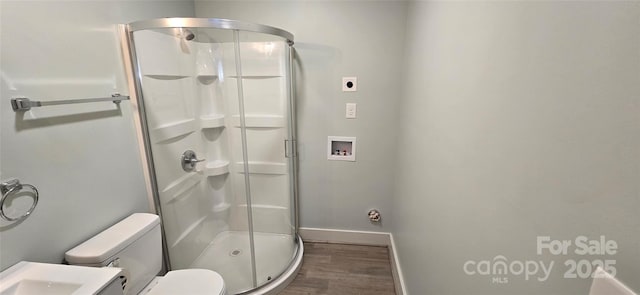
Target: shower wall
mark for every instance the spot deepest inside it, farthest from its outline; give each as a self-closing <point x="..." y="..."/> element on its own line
<point x="81" y="157"/>
<point x="181" y="99"/>
<point x="264" y="72"/>
<point x="191" y="99"/>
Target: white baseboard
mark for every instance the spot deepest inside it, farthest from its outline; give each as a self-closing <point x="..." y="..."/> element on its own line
<point x="396" y="270"/>
<point x="337" y="236"/>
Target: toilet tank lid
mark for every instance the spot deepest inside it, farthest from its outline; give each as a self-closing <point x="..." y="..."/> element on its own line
<point x="112" y="240"/>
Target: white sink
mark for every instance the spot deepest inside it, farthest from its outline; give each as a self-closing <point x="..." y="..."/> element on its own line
<point x="605" y="284"/>
<point x="55" y="279"/>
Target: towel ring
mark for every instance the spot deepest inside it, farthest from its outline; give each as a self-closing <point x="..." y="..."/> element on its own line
<point x="10" y="187"/>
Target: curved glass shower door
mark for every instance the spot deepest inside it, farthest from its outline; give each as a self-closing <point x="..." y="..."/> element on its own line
<point x="216" y="106"/>
<point x="264" y="69"/>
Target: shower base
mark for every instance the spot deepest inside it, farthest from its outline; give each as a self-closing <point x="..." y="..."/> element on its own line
<point x="229" y="254"/>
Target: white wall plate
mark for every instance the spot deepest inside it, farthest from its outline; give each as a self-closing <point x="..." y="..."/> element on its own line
<point x="350" y="111"/>
<point x="340" y="148"/>
<point x="349" y="83"/>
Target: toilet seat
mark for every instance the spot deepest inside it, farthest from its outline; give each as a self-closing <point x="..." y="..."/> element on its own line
<point x="189" y="282"/>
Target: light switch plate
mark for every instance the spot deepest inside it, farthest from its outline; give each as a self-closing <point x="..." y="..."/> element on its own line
<point x="351" y="111"/>
<point x="349" y="83"/>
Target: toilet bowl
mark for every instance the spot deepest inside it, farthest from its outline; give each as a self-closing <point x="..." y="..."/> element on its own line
<point x="134" y="245"/>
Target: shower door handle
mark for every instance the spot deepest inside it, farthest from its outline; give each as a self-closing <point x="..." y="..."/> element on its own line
<point x="289" y="148"/>
<point x="189" y="161"/>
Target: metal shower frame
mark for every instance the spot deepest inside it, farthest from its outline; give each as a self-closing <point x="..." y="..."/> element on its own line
<point x="134" y="79"/>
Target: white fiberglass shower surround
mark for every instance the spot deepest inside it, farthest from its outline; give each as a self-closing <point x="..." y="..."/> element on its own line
<point x="215" y="105"/>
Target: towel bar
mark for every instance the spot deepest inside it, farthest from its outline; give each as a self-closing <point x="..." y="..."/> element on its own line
<point x="21" y="104"/>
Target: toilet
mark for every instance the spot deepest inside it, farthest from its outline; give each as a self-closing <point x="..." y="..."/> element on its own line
<point x="134" y="245"/>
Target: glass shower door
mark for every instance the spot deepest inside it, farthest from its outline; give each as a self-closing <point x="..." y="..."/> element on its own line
<point x="268" y="135"/>
<point x="217" y="108"/>
<point x="186" y="94"/>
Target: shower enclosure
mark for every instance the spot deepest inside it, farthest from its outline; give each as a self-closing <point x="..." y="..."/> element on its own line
<point x="215" y="105"/>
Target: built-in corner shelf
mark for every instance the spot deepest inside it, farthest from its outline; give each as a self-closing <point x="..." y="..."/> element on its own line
<point x="165" y="76"/>
<point x="215" y="168"/>
<point x="256" y="76"/>
<point x="173" y="129"/>
<point x="259" y="206"/>
<point x="259" y="121"/>
<point x="263" y="167"/>
<point x="212" y="121"/>
<point x="221" y="207"/>
<point x="206" y="79"/>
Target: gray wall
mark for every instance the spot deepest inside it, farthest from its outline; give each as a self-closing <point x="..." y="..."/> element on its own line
<point x="336" y="39"/>
<point x="83" y="158"/>
<point x="519" y="120"/>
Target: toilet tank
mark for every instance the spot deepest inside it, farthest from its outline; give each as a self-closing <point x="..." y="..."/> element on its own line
<point x="133" y="244"/>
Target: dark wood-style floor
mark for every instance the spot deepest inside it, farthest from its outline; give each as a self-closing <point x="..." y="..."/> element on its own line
<point x="343" y="270"/>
